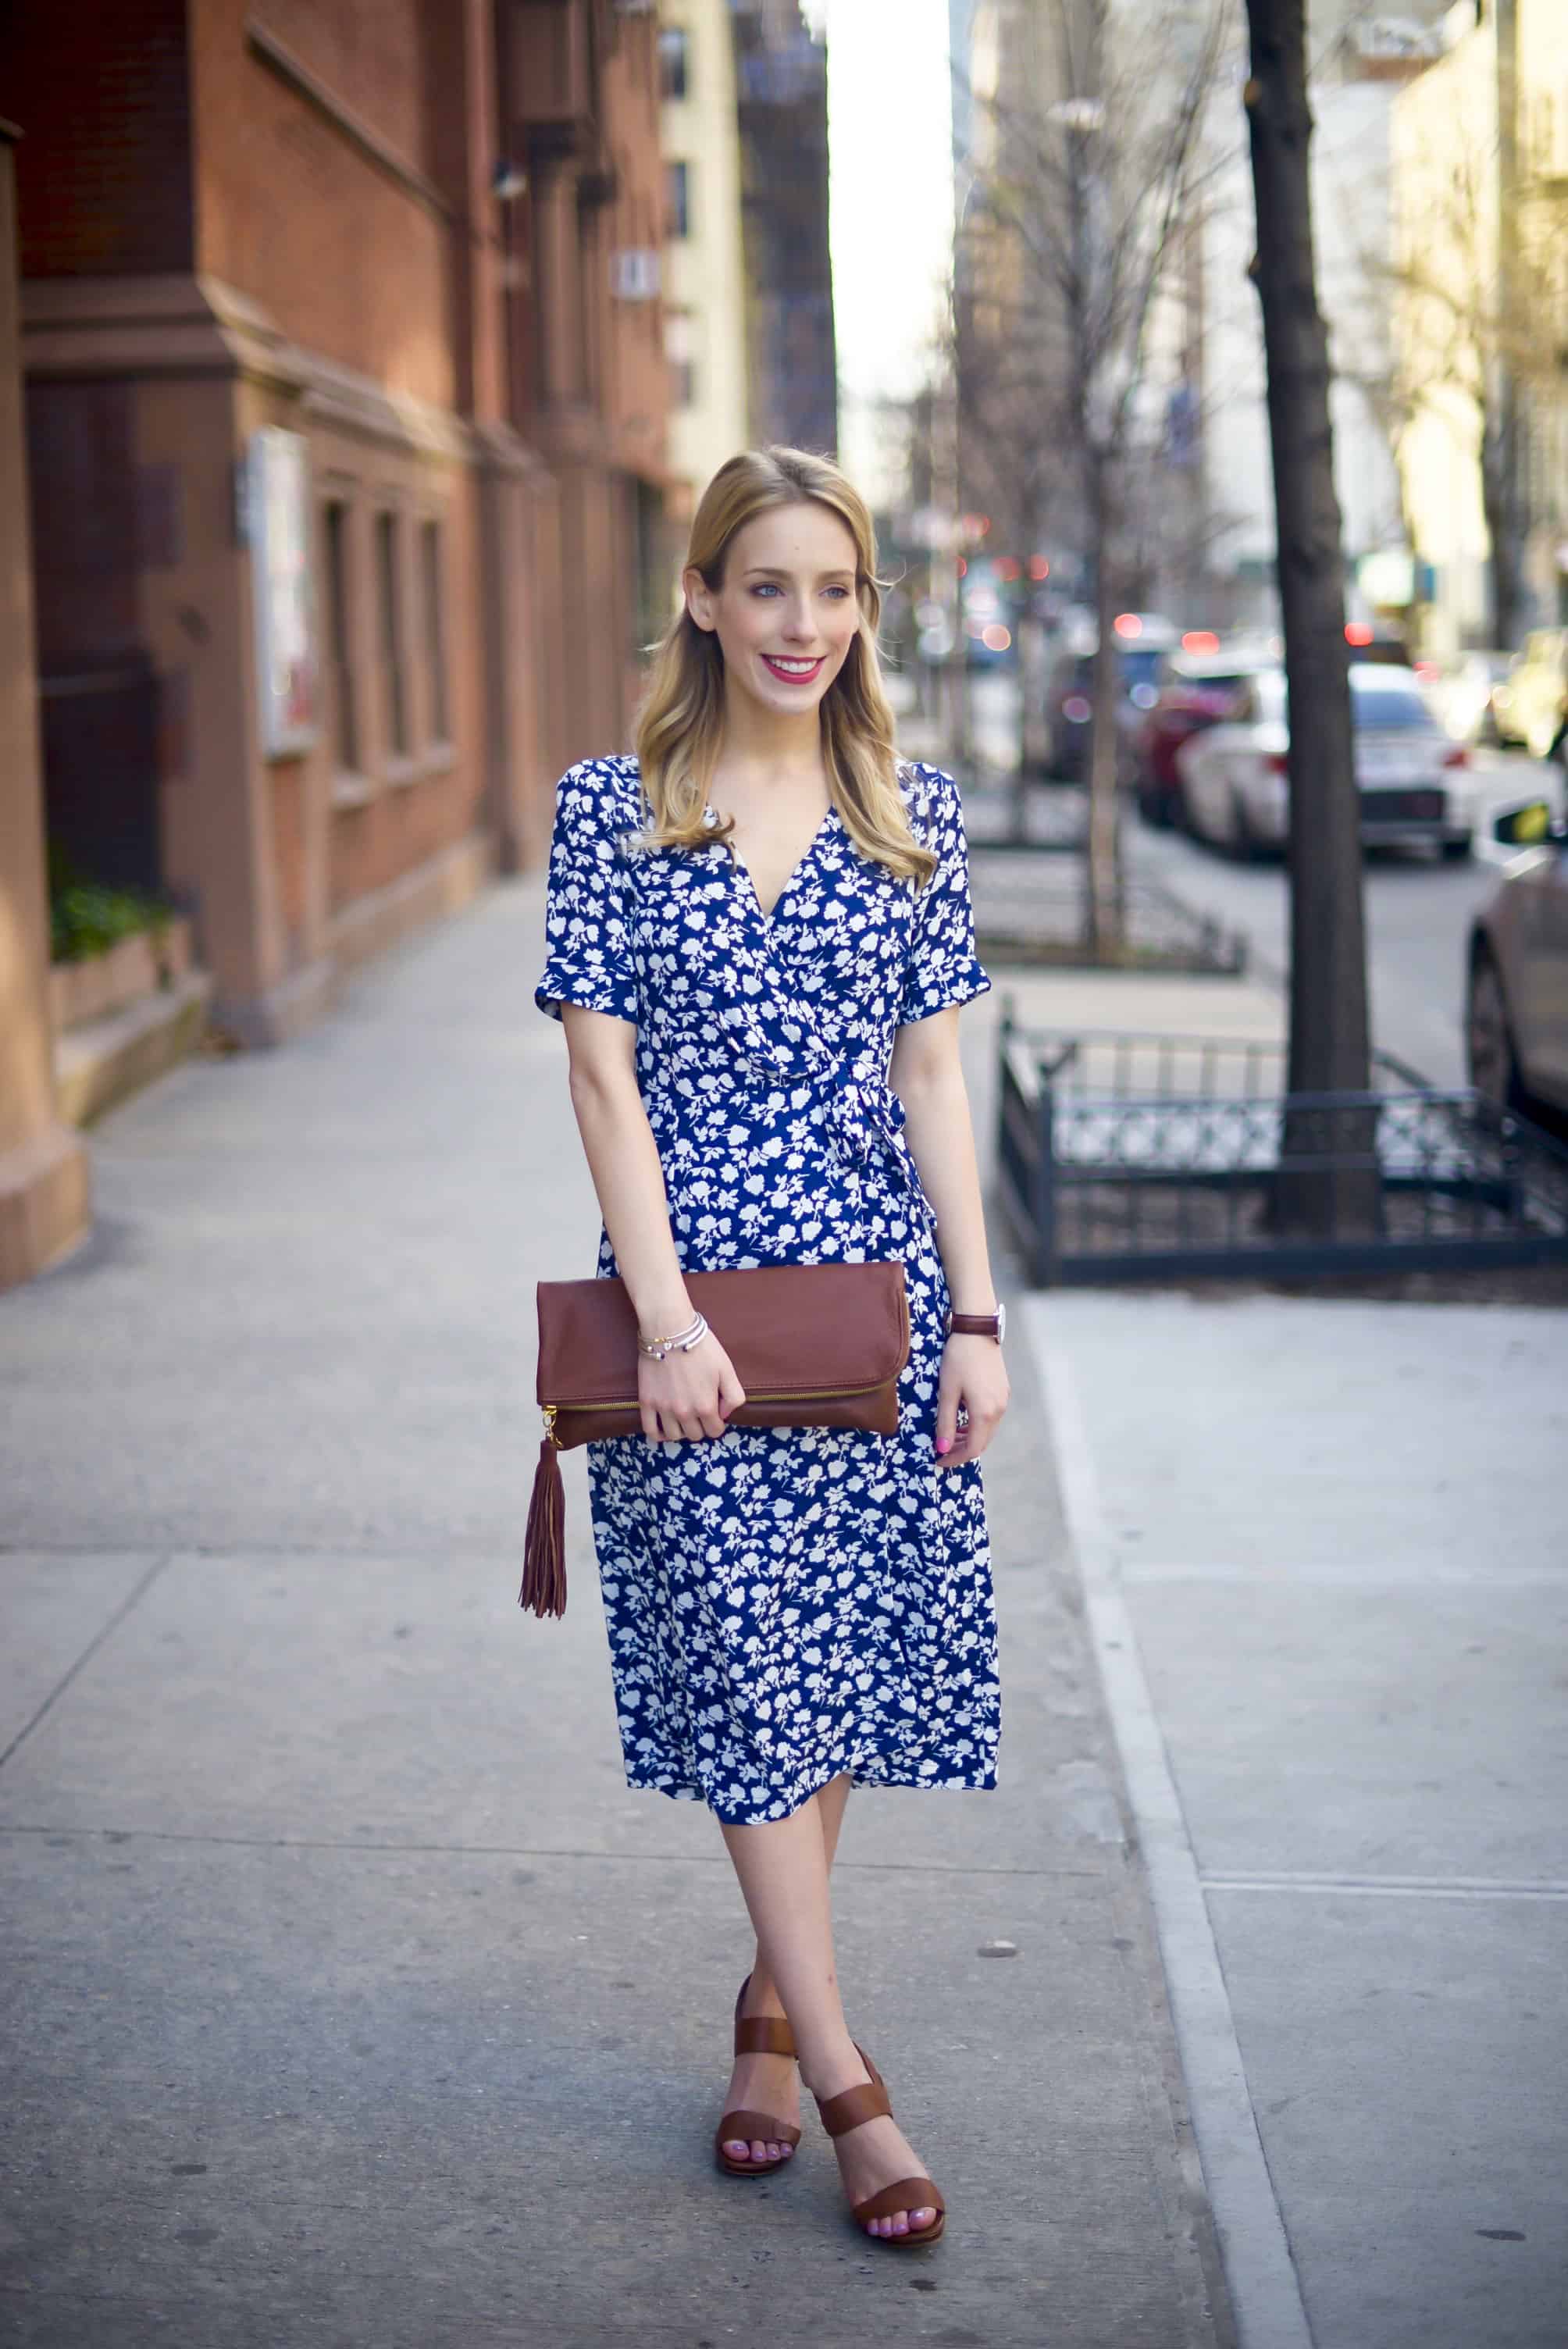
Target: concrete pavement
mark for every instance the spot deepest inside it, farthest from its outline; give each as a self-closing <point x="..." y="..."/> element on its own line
<point x="1326" y="1569"/>
<point x="352" y="1998"/>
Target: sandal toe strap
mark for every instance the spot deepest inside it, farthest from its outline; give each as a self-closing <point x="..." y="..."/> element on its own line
<point x="756" y="2129"/>
<point x="907" y="2194"/>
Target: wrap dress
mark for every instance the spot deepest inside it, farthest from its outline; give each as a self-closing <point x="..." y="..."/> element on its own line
<point x="783" y="1604"/>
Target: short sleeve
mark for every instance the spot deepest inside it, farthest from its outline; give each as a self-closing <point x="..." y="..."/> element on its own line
<point x="942" y="968"/>
<point x="587" y="930"/>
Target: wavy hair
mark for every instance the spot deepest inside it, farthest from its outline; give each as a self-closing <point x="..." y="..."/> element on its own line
<point x="680" y="724"/>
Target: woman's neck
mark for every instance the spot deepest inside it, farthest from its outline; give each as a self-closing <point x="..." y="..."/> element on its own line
<point x="764" y="745"/>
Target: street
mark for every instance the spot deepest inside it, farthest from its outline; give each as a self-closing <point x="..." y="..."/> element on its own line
<point x="1418" y="912"/>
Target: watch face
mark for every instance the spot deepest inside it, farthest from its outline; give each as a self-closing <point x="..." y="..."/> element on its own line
<point x="1001" y="1321"/>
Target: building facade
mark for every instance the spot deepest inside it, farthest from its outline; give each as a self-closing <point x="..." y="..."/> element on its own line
<point x="792" y="358"/>
<point x="1481" y="225"/>
<point x="704" y="267"/>
<point x="346" y="402"/>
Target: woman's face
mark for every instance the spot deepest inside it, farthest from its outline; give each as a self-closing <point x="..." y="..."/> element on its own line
<point x="786" y="613"/>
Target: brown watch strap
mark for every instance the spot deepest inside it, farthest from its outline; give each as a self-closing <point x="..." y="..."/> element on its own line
<point x="975" y="1325"/>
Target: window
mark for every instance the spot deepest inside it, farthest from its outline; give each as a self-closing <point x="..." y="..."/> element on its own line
<point x="677" y="199"/>
<point x="396" y="702"/>
<point x="435" y="646"/>
<point x="340" y="656"/>
<point x="675" y="61"/>
<point x="680" y="349"/>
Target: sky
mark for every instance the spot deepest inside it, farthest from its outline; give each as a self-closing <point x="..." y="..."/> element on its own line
<point x="889" y="208"/>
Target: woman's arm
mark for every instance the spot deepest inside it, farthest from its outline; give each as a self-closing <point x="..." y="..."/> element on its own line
<point x="685" y="1396"/>
<point x="928" y="1078"/>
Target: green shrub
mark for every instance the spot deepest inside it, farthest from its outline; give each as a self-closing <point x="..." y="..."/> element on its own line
<point x="86" y="919"/>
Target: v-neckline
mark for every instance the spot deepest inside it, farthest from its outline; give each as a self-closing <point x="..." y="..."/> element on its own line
<point x="765" y="914"/>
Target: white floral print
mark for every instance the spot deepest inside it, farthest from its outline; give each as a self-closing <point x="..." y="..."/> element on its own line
<point x="784" y="1604"/>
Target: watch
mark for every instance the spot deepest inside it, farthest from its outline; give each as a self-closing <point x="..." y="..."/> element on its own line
<point x="978" y="1324"/>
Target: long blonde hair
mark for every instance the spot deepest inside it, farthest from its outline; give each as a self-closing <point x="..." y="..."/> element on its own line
<point x="680" y="725"/>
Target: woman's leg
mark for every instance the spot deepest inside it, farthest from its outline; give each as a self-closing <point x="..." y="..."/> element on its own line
<point x="770" y="2083"/>
<point x="783" y="1872"/>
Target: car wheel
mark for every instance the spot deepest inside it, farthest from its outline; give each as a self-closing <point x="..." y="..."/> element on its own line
<point x="1457" y="852"/>
<point x="1489" y="1037"/>
<point x="1245" y="845"/>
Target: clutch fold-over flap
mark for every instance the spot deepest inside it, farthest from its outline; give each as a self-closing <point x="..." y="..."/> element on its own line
<point x="789" y="1329"/>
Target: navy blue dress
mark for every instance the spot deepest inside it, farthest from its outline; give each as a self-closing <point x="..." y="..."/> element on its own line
<point x="784" y="1604"/>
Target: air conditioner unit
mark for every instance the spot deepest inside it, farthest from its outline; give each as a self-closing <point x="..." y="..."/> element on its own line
<point x="635" y="273"/>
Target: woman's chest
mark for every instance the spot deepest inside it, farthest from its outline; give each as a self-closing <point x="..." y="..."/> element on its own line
<point x="839" y="928"/>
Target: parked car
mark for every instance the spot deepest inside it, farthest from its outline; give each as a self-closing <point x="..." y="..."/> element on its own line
<point x="1516" y="1008"/>
<point x="1463" y="690"/>
<point x="1531" y="702"/>
<point x="1070" y="693"/>
<point x="1414" y="779"/>
<point x="1194" y="690"/>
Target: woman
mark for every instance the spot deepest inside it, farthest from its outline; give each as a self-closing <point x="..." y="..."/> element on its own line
<point x="758" y="937"/>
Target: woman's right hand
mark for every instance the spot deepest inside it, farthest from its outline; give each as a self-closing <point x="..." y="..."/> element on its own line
<point x="687" y="1396"/>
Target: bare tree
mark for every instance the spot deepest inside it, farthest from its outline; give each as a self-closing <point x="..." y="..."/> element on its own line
<point x="1089" y="172"/>
<point x="1329" y="1045"/>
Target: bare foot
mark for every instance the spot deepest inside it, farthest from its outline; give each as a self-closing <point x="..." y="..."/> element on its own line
<point x="876" y="2155"/>
<point x="763" y="2083"/>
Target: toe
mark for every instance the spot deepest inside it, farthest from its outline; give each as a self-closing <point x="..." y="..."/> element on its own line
<point x="920" y="2220"/>
<point x="773" y="2154"/>
<point x="899" y="2222"/>
<point x="737" y="2149"/>
<point x="759" y="2150"/>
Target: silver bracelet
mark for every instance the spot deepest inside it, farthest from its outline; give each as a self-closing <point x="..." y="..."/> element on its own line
<point x="681" y="1343"/>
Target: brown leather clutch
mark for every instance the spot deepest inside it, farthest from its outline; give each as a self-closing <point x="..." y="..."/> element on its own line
<point x="818" y="1345"/>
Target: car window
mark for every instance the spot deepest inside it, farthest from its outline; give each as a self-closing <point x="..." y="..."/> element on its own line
<point x="1139" y="667"/>
<point x="1382" y="708"/>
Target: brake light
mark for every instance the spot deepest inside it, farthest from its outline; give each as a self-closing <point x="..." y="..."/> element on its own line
<point x="1458" y="757"/>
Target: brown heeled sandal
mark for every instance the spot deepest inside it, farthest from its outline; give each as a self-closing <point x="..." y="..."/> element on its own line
<point x="870" y="2101"/>
<point x="757" y="2034"/>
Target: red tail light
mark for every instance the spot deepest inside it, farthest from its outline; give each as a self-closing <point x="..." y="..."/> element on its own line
<point x="1458" y="757"/>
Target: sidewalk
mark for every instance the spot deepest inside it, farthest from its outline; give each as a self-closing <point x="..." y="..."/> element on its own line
<point x="1324" y="1559"/>
<point x="354" y="1999"/>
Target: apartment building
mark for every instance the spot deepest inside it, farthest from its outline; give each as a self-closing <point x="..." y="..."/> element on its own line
<point x="346" y="392"/>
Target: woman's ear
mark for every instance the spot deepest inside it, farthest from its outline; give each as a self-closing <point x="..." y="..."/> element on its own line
<point x="699" y="598"/>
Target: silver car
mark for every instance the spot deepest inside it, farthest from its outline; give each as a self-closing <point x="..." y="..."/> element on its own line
<point x="1516" y="1018"/>
<point x="1415" y="781"/>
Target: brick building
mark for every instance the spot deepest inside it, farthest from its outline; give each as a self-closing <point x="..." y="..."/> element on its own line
<point x="346" y="402"/>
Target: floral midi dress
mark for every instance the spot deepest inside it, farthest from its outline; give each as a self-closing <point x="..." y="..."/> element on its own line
<point x="783" y="1604"/>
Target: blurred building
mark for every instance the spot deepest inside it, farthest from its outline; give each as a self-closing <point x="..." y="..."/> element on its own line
<point x="1359" y="61"/>
<point x="1482" y="206"/>
<point x="346" y="405"/>
<point x="791" y="355"/>
<point x="705" y="270"/>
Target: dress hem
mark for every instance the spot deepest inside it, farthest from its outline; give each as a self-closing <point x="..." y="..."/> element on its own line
<point x="691" y="1790"/>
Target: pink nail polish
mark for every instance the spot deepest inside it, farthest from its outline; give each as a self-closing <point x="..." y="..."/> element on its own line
<point x="945" y="1443"/>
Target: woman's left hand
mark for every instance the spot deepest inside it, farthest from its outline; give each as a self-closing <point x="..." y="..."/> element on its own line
<point x="974" y="1377"/>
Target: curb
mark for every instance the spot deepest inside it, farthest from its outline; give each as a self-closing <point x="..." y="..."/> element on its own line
<point x="1264" y="2288"/>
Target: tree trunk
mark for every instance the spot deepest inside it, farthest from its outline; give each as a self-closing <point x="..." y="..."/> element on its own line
<point x="1500" y="478"/>
<point x="1329" y="1050"/>
<point x="1102" y="893"/>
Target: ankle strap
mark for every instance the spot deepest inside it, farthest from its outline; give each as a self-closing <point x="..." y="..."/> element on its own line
<point x="763" y="2034"/>
<point x="851" y="2106"/>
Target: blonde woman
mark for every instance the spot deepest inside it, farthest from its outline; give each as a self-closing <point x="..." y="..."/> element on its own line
<point x="758" y="937"/>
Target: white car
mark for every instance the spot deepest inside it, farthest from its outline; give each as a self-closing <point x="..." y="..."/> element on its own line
<point x="1416" y="782"/>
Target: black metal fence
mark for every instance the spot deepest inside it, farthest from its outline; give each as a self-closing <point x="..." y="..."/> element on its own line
<point x="1029" y="909"/>
<point x="1127" y="1157"/>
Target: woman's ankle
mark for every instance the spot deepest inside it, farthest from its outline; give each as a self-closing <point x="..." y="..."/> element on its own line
<point x="835" y="2068"/>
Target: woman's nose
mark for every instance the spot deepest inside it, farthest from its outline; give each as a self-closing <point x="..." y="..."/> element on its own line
<point x="799" y="623"/>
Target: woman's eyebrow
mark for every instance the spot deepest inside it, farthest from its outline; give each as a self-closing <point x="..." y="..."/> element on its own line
<point x="768" y="571"/>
